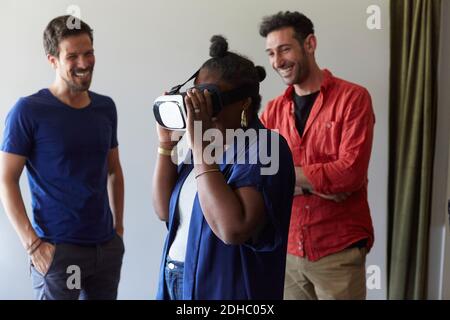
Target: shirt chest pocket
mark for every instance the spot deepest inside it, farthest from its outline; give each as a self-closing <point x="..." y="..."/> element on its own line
<point x="324" y="140"/>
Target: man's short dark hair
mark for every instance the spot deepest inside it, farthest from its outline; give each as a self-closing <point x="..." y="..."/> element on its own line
<point x="302" y="25"/>
<point x="62" y="27"/>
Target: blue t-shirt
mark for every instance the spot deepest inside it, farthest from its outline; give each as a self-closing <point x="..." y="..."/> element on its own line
<point x="66" y="151"/>
<point x="214" y="270"/>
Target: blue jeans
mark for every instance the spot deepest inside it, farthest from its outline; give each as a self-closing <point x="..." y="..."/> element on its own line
<point x="173" y="274"/>
<point x="81" y="272"/>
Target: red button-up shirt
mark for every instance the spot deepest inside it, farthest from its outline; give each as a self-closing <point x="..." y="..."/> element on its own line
<point x="334" y="154"/>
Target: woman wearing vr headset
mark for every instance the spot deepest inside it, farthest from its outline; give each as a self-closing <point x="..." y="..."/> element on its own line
<point x="227" y="221"/>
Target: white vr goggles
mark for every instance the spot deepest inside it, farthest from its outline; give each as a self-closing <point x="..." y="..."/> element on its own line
<point x="170" y="110"/>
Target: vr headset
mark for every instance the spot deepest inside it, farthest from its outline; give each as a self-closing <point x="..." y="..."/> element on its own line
<point x="170" y="110"/>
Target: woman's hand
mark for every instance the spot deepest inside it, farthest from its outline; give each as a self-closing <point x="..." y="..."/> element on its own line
<point x="199" y="112"/>
<point x="167" y="138"/>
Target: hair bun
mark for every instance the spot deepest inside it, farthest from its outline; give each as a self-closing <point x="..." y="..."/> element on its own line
<point x="219" y="47"/>
<point x="261" y="73"/>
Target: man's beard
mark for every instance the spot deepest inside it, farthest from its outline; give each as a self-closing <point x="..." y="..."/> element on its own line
<point x="82" y="85"/>
<point x="75" y="87"/>
<point x="300" y="76"/>
<point x="303" y="73"/>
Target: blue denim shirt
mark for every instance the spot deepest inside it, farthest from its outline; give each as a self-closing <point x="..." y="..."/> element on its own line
<point x="214" y="270"/>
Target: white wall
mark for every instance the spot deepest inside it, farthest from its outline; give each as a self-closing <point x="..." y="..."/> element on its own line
<point x="145" y="47"/>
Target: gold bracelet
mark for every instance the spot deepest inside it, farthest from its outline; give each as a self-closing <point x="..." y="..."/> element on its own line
<point x="206" y="171"/>
<point x="165" y="152"/>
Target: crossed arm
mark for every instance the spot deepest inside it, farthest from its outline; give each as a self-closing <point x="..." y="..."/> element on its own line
<point x="336" y="180"/>
<point x="302" y="182"/>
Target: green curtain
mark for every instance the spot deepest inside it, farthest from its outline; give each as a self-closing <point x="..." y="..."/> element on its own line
<point x="415" y="26"/>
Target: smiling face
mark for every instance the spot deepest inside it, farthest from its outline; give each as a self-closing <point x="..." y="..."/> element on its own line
<point x="287" y="56"/>
<point x="75" y="62"/>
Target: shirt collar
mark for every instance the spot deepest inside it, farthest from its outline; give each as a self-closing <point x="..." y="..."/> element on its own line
<point x="328" y="79"/>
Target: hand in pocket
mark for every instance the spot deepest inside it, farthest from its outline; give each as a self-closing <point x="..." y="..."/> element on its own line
<point x="42" y="258"/>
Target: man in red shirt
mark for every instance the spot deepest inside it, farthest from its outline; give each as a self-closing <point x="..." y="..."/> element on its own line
<point x="328" y="123"/>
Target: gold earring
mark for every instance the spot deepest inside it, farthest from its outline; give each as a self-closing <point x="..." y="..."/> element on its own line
<point x="244" y="122"/>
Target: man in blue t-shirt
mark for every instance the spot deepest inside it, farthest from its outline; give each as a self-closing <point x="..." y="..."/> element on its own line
<point x="66" y="136"/>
